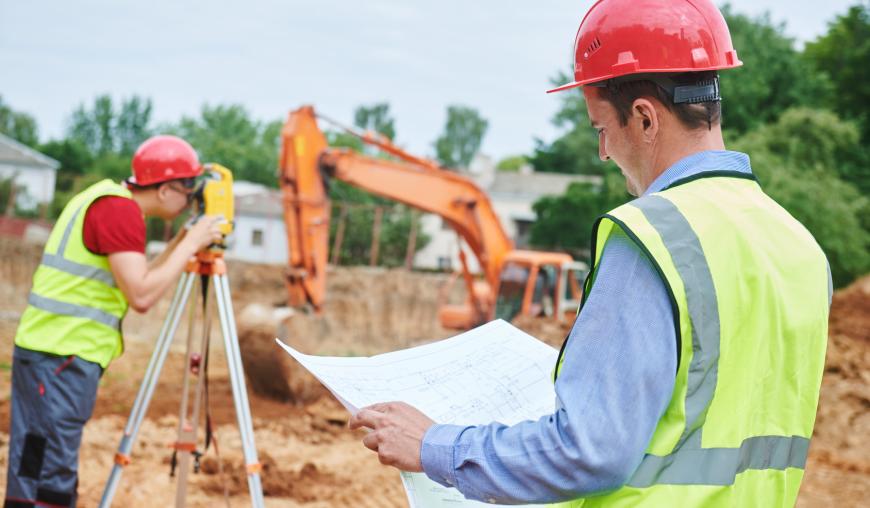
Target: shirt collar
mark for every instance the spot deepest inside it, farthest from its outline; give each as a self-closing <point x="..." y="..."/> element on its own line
<point x="701" y="162"/>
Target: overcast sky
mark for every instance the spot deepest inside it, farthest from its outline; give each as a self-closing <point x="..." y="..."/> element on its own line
<point x="272" y="56"/>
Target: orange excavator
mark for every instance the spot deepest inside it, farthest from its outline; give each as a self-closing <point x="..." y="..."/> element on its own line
<point x="512" y="282"/>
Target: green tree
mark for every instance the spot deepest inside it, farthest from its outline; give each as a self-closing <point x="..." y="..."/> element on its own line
<point x="462" y="137"/>
<point x="843" y="53"/>
<point x="132" y="125"/>
<point x="227" y="134"/>
<point x="565" y="222"/>
<point x="103" y="129"/>
<point x="512" y="163"/>
<point x="18" y="126"/>
<point x="799" y="161"/>
<point x="74" y="158"/>
<point x="376" y="118"/>
<point x="773" y="78"/>
<point x="576" y="150"/>
<point x="812" y="139"/>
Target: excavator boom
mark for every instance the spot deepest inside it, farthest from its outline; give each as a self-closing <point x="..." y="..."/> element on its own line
<point x="307" y="162"/>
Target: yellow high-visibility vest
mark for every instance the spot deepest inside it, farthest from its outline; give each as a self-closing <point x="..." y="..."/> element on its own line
<point x="750" y="290"/>
<point x="75" y="307"/>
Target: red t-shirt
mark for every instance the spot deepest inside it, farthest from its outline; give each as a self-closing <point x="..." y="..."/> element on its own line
<point x="114" y="224"/>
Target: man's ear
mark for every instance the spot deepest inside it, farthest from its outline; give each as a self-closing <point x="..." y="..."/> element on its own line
<point x="644" y="112"/>
<point x="162" y="192"/>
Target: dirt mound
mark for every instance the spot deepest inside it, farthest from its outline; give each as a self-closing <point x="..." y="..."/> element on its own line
<point x="838" y="468"/>
<point x="549" y="331"/>
<point x="850" y="311"/>
<point x="273" y="374"/>
<point x="297" y="483"/>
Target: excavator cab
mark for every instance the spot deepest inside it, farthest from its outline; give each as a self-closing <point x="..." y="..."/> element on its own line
<point x="539" y="284"/>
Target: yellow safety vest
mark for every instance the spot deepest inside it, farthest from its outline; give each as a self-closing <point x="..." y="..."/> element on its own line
<point x="750" y="290"/>
<point x="75" y="307"/>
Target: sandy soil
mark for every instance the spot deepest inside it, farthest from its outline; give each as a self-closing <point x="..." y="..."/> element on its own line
<point x="310" y="459"/>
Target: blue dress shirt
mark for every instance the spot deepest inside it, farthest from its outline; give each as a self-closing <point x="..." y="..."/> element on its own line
<point x="615" y="383"/>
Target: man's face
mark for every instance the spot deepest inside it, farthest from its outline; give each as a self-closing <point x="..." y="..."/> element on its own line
<point x="614" y="140"/>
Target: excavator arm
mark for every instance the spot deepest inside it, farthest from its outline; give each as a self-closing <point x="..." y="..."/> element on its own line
<point x="306" y="160"/>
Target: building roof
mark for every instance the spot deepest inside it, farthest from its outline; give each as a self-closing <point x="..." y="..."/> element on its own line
<point x="535" y="185"/>
<point x="15" y="153"/>
<point x="258" y="200"/>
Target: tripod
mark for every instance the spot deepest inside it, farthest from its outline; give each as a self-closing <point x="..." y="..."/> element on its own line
<point x="208" y="266"/>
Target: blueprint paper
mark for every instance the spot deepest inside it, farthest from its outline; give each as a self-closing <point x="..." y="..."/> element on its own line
<point x="493" y="373"/>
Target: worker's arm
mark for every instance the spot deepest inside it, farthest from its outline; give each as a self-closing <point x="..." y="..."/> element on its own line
<point x="615" y="383"/>
<point x="143" y="285"/>
<point x="167" y="251"/>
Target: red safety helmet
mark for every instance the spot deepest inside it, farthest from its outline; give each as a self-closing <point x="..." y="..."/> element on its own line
<point x="624" y="37"/>
<point x="163" y="158"/>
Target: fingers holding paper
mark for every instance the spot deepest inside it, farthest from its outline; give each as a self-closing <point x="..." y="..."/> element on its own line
<point x="397" y="431"/>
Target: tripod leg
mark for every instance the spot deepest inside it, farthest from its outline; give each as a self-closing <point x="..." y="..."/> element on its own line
<point x="240" y="393"/>
<point x="186" y="441"/>
<point x="149" y="383"/>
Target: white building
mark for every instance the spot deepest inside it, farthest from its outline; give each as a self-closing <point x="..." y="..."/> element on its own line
<point x="33" y="173"/>
<point x="511" y="194"/>
<point x="258" y="235"/>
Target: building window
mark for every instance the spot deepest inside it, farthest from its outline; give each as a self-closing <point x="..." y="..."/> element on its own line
<point x="257" y="237"/>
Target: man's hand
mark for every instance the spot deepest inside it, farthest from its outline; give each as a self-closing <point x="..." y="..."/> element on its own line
<point x="205" y="232"/>
<point x="397" y="431"/>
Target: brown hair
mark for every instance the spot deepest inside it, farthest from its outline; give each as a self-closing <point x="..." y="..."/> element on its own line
<point x="693" y="116"/>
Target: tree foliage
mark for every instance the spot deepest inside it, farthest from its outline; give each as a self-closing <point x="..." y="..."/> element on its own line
<point x="376" y="118"/>
<point x="18" y="126"/>
<point x="565" y="222"/>
<point x="843" y="53"/>
<point x="576" y="150"/>
<point x="512" y="163"/>
<point x="228" y="135"/>
<point x="462" y="136"/>
<point x="104" y="129"/>
<point x="773" y="78"/>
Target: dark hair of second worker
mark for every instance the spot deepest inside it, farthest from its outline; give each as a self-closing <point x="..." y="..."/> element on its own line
<point x="693" y="116"/>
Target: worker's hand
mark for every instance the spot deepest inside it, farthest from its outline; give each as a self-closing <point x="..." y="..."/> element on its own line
<point x="397" y="433"/>
<point x="204" y="232"/>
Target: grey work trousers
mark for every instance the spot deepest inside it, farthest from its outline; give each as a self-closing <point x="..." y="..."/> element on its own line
<point x="52" y="399"/>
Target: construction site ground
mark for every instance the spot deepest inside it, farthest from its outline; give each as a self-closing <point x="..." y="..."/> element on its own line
<point x="310" y="458"/>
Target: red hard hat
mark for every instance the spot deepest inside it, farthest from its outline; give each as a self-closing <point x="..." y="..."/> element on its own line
<point x="162" y="158"/>
<point x="623" y="37"/>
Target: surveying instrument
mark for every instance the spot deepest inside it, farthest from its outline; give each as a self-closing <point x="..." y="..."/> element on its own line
<point x="214" y="198"/>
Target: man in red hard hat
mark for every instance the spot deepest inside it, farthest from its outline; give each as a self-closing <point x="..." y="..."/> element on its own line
<point x="692" y="372"/>
<point x="93" y="268"/>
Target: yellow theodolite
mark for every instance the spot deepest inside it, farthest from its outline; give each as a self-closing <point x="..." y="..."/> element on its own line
<point x="214" y="196"/>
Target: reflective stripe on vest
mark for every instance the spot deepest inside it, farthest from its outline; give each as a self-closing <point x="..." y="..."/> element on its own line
<point x="71" y="309"/>
<point x="59" y="262"/>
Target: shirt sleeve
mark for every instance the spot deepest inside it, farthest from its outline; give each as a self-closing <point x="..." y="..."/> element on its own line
<point x="615" y="383"/>
<point x="114" y="224"/>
